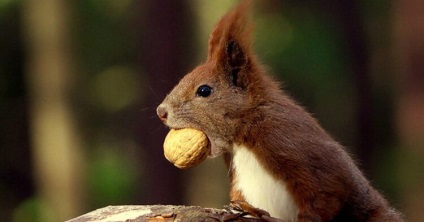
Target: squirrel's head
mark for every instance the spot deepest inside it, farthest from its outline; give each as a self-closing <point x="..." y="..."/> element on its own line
<point x="217" y="96"/>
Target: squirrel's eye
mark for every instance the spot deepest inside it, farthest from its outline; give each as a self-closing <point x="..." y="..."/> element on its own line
<point x="204" y="91"/>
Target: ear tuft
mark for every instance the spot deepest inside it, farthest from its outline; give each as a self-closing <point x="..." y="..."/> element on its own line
<point x="230" y="41"/>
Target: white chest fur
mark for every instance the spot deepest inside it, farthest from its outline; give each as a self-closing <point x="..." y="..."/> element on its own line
<point x="259" y="188"/>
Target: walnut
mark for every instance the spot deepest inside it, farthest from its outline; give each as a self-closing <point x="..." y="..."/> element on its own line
<point x="186" y="148"/>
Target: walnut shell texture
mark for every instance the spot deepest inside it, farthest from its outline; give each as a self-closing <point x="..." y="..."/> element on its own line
<point x="186" y="147"/>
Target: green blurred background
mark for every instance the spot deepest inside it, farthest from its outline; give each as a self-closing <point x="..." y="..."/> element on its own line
<point x="80" y="81"/>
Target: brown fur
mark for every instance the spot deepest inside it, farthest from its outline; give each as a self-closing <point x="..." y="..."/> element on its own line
<point x="247" y="107"/>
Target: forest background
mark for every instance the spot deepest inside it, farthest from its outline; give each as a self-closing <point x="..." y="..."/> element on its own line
<point x="80" y="81"/>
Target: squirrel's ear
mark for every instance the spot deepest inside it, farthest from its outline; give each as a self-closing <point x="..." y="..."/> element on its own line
<point x="230" y="41"/>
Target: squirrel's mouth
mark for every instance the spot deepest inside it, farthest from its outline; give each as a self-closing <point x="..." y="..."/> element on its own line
<point x="212" y="147"/>
<point x="215" y="149"/>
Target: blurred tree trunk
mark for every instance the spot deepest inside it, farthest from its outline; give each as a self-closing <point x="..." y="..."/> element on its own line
<point x="166" y="47"/>
<point x="409" y="34"/>
<point x="56" y="150"/>
<point x="16" y="182"/>
<point x="348" y="14"/>
<point x="358" y="50"/>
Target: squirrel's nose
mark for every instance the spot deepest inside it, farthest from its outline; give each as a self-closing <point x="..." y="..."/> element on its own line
<point x="162" y="112"/>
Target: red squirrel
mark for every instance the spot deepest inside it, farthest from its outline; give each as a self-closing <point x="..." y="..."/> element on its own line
<point x="280" y="159"/>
